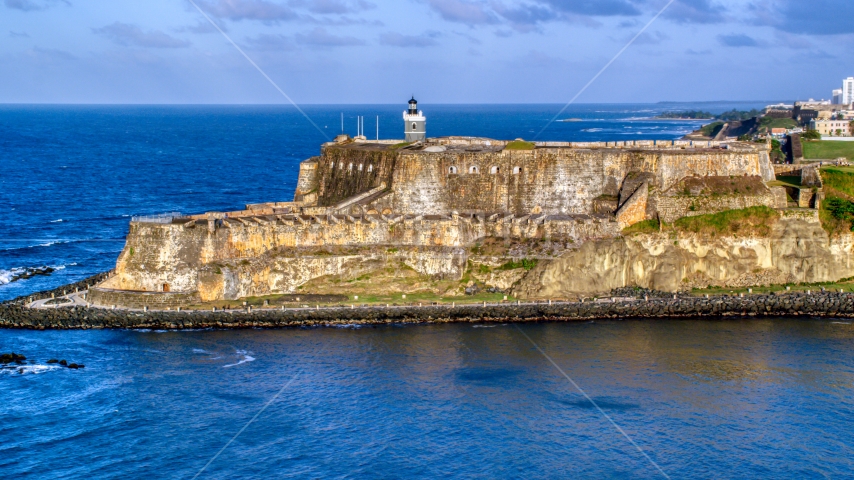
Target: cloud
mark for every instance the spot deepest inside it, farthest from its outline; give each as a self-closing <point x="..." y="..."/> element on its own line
<point x="202" y="27"/>
<point x="528" y="16"/>
<point x="261" y="10"/>
<point x="32" y="5"/>
<point x="696" y="11"/>
<point x="319" y="37"/>
<point x="691" y="51"/>
<point x="19" y="35"/>
<point x="816" y="17"/>
<point x="738" y="40"/>
<point x="596" y="8"/>
<point x="131" y="35"/>
<point x="464" y="11"/>
<point x="649" y="38"/>
<point x="267" y="41"/>
<point x="332" y="6"/>
<point x="418" y="41"/>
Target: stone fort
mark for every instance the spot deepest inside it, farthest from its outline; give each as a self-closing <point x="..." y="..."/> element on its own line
<point x="425" y="202"/>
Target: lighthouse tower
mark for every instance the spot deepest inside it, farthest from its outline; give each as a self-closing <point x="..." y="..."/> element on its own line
<point x="415" y="124"/>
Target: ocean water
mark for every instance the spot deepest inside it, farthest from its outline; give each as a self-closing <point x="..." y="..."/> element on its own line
<point x="72" y="176"/>
<point x="737" y="398"/>
<point x="734" y="398"/>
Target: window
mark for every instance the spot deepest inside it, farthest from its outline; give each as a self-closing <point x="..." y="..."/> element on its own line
<point x="370" y="168"/>
<point x="517" y="170"/>
<point x="414" y="126"/>
<point x="360" y="167"/>
<point x="165" y="287"/>
<point x="473" y="169"/>
<point x="452" y="170"/>
<point x="493" y="170"/>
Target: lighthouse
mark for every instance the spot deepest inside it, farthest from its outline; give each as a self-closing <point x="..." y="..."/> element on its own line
<point x="415" y="124"/>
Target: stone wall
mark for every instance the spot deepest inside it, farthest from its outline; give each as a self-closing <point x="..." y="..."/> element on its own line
<point x="671" y="208"/>
<point x="477" y="175"/>
<point x="551" y="180"/>
<point x="347" y="170"/>
<point x="826" y="304"/>
<point x="130" y="299"/>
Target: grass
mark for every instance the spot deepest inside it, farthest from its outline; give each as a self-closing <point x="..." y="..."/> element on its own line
<point x="743" y="222"/>
<point x="768" y="122"/>
<point x="839" y="178"/>
<point x="646" y="226"/>
<point x="711" y="129"/>
<point x="785" y="181"/>
<point x="519" y="145"/>
<point x="525" y="263"/>
<point x="426" y="298"/>
<point x="823" y="149"/>
<point x="399" y="145"/>
<point x="753" y="221"/>
<point x="846" y="284"/>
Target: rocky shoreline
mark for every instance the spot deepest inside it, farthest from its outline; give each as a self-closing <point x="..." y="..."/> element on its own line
<point x="822" y="304"/>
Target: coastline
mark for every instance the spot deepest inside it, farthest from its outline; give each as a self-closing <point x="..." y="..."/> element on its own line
<point x="13" y="315"/>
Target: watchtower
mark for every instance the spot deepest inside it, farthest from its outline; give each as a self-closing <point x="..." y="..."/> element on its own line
<point x="415" y="124"/>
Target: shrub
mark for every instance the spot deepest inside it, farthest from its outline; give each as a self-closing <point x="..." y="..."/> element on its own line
<point x="519" y="145"/>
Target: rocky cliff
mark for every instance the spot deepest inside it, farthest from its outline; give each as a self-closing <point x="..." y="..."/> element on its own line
<point x="796" y="250"/>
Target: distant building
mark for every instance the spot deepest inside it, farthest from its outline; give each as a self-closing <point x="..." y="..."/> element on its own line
<point x="415" y="124"/>
<point x="837" y="96"/>
<point x="831" y="128"/>
<point x="847" y="91"/>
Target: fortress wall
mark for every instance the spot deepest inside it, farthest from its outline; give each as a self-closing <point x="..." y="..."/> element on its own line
<point x="307" y="181"/>
<point x="553" y="181"/>
<point x="343" y="172"/>
<point x="671" y="208"/>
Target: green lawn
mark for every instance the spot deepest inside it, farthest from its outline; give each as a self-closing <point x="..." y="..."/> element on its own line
<point x="768" y="122"/>
<point x="825" y="149"/>
<point x="844" y="284"/>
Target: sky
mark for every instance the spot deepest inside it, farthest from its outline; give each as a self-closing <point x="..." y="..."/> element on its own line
<point x="442" y="51"/>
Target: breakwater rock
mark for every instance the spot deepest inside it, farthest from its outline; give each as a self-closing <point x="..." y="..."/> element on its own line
<point x="815" y="304"/>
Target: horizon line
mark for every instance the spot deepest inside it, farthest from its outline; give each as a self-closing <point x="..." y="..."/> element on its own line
<point x="660" y="102"/>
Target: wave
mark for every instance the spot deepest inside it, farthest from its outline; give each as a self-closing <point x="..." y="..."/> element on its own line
<point x="58" y="220"/>
<point x="593" y="130"/>
<point x="24" y="273"/>
<point x="27" y="369"/>
<point x="48" y="243"/>
<point x="246" y="358"/>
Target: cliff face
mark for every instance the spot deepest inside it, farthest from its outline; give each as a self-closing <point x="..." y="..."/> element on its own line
<point x="797" y="250"/>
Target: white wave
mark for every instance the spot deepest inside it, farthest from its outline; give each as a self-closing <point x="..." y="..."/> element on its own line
<point x="6" y="275"/>
<point x="246" y="358"/>
<point x="28" y="369"/>
<point x="199" y="350"/>
<point x="58" y="220"/>
<point x="593" y="130"/>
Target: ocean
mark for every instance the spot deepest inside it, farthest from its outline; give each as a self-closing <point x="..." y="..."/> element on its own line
<point x="726" y="398"/>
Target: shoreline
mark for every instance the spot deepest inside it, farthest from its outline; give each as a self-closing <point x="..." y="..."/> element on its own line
<point x="816" y="304"/>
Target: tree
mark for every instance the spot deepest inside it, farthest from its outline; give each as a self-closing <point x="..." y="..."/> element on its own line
<point x="811" y="135"/>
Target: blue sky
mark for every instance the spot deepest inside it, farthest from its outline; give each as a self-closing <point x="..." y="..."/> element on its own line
<point x="443" y="51"/>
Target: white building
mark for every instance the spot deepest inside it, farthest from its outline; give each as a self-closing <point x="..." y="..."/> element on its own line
<point x="837" y="96"/>
<point x="848" y="91"/>
<point x="415" y="123"/>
